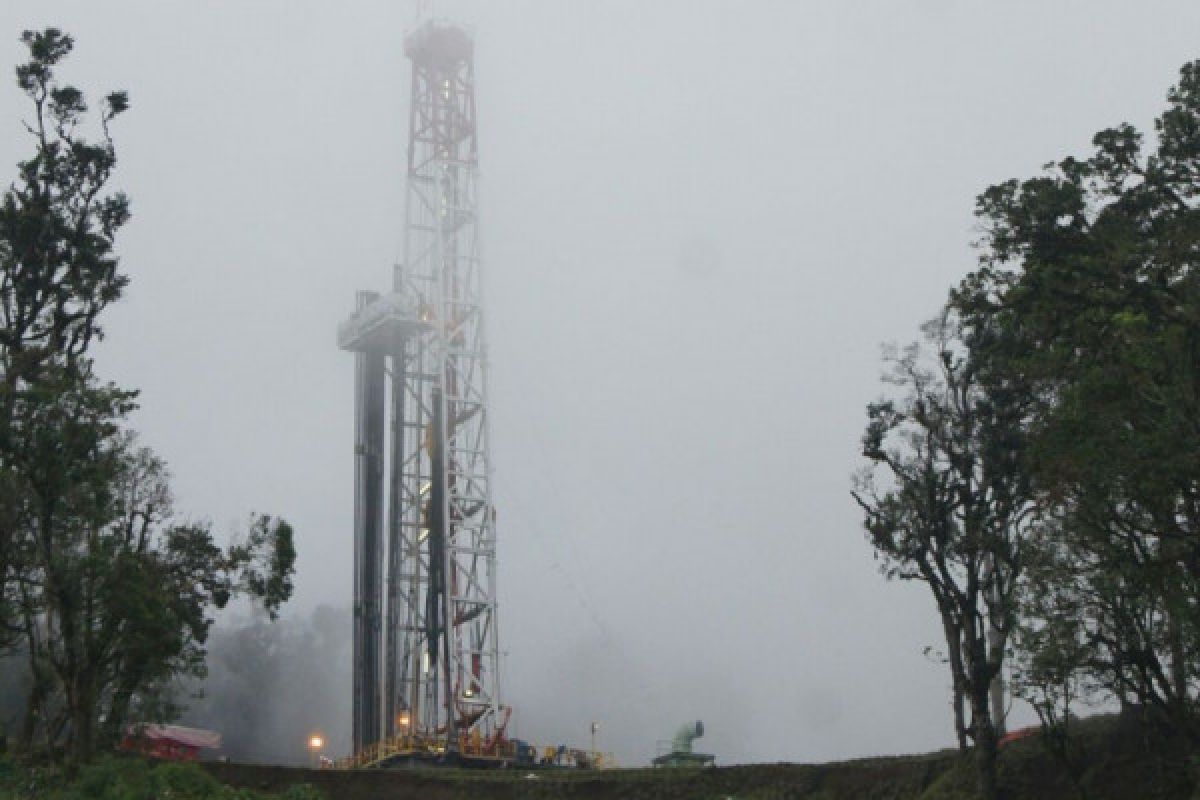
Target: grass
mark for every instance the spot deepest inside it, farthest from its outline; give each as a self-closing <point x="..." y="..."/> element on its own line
<point x="120" y="778"/>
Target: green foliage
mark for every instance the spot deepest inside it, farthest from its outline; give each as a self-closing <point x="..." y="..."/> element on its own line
<point x="112" y="778"/>
<point x="1088" y="292"/>
<point x="946" y="502"/>
<point x="130" y="591"/>
<point x="1082" y="323"/>
<point x="57" y="273"/>
<point x="107" y="595"/>
<point x="266" y="559"/>
<point x="57" y="223"/>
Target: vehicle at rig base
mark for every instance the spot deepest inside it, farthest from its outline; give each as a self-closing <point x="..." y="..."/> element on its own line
<point x="169" y="742"/>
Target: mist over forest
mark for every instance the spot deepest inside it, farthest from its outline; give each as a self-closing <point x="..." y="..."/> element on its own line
<point x="270" y="685"/>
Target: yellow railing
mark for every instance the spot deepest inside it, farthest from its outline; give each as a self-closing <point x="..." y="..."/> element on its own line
<point x="402" y="744"/>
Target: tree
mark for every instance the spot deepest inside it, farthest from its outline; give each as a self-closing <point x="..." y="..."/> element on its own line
<point x="57" y="269"/>
<point x="156" y="581"/>
<point x="118" y="595"/>
<point x="61" y="461"/>
<point x="946" y="502"/>
<point x="58" y="223"/>
<point x="1088" y="272"/>
<point x="109" y="596"/>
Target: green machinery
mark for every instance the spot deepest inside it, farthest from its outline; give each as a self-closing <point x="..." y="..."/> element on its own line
<point x="681" y="753"/>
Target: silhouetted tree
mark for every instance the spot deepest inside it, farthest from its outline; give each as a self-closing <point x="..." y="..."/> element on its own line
<point x="109" y="596"/>
<point x="117" y="595"/>
<point x="1089" y="281"/>
<point x="946" y="502"/>
<point x="57" y="268"/>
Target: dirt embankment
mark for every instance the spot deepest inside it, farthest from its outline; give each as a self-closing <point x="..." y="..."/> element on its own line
<point x="879" y="779"/>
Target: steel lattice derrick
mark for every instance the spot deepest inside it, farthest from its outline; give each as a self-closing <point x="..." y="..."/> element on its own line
<point x="448" y="667"/>
<point x="440" y="656"/>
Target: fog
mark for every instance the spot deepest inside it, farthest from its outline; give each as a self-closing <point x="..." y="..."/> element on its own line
<point x="700" y="220"/>
<point x="272" y="685"/>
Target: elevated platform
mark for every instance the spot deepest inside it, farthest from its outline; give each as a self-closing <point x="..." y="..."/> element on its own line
<point x="378" y="325"/>
<point x="414" y="749"/>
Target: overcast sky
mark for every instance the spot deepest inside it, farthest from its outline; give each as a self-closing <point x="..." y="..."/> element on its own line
<point x="700" y="220"/>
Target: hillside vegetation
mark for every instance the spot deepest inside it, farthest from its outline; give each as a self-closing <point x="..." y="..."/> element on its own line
<point x="117" y="778"/>
<point x="1111" y="761"/>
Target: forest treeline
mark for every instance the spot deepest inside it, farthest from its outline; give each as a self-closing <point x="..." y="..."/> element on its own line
<point x="1036" y="458"/>
<point x="105" y="594"/>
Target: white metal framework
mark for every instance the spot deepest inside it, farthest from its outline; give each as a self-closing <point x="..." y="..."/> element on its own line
<point x="439" y="650"/>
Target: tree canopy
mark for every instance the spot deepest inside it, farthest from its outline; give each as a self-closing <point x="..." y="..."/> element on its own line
<point x="1083" y="321"/>
<point x="1089" y="272"/>
<point x="106" y="593"/>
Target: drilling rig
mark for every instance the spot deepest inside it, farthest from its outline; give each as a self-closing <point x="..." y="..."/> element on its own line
<point x="426" y="654"/>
